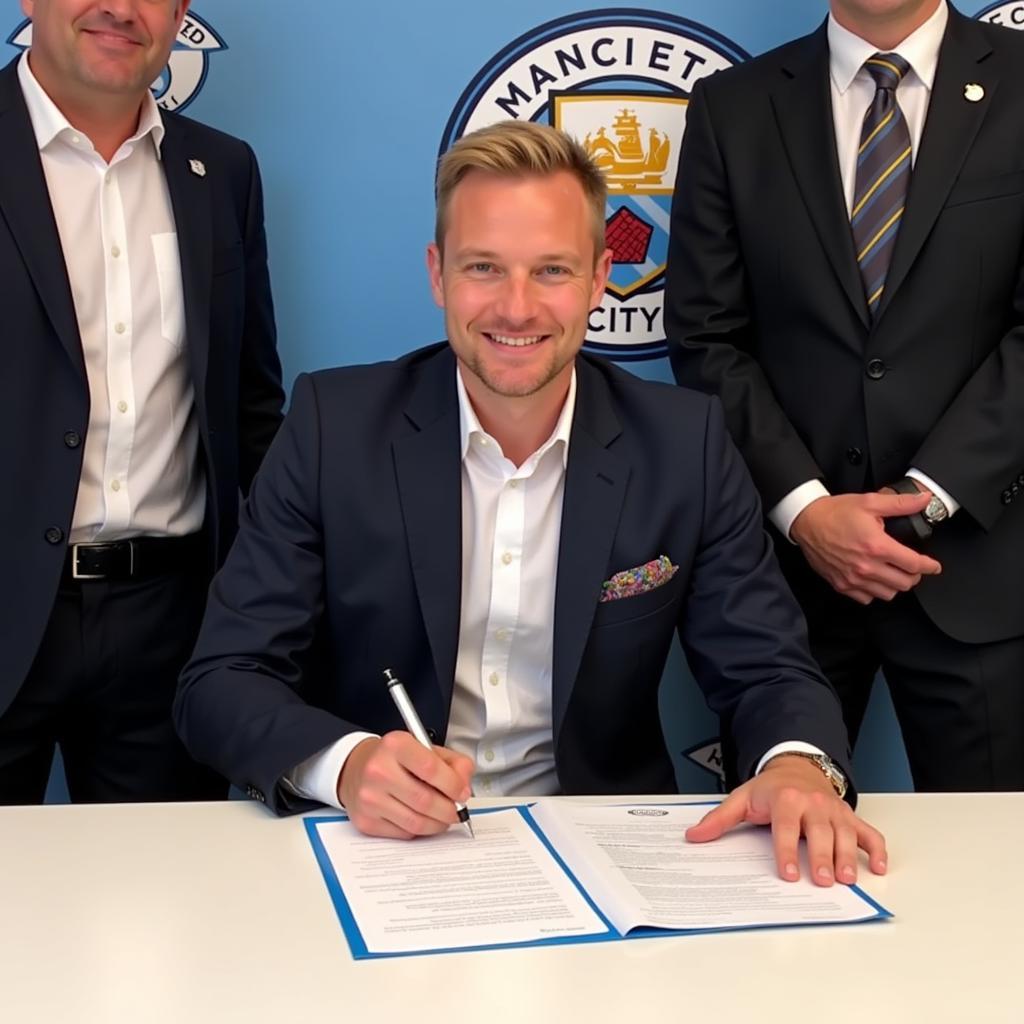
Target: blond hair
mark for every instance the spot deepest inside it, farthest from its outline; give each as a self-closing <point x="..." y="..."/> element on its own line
<point x="516" y="149"/>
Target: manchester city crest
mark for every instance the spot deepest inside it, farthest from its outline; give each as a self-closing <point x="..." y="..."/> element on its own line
<point x="1009" y="15"/>
<point x="179" y="83"/>
<point x="619" y="80"/>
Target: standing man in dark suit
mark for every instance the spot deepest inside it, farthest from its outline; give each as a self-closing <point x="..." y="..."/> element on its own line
<point x="140" y="389"/>
<point x="846" y="274"/>
<point x="516" y="531"/>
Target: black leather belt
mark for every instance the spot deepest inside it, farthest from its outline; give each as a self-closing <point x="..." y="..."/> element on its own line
<point x="137" y="558"/>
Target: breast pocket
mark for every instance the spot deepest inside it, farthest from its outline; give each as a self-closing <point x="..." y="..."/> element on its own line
<point x="172" y="297"/>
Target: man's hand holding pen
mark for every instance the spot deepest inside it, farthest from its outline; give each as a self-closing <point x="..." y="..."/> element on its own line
<point x="394" y="786"/>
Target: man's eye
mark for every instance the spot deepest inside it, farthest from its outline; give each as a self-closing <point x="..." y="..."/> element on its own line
<point x="554" y="271"/>
<point x="481" y="268"/>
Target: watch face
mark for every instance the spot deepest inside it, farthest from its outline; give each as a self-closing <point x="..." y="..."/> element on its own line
<point x="935" y="511"/>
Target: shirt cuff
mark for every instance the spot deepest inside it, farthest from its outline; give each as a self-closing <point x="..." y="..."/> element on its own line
<point x="317" y="777"/>
<point x="783" y="514"/>
<point x="947" y="499"/>
<point x="789" y="747"/>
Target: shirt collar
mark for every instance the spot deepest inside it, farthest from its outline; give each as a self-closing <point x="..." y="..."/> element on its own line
<point x="469" y="425"/>
<point x="847" y="52"/>
<point x="48" y="122"/>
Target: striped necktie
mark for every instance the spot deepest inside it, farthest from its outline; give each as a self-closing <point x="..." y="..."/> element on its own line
<point x="883" y="175"/>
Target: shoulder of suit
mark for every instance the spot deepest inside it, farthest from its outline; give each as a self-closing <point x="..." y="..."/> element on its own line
<point x="765" y="66"/>
<point x="365" y="379"/>
<point x="637" y="392"/>
<point x="202" y="135"/>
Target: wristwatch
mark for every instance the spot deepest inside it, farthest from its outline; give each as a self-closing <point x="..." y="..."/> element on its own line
<point x="916" y="529"/>
<point x="935" y="511"/>
<point x="828" y="767"/>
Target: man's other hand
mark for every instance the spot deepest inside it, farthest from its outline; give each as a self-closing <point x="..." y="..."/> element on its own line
<point x="793" y="796"/>
<point x="843" y="539"/>
<point x="394" y="786"/>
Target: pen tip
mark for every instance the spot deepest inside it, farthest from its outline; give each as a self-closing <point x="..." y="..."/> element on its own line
<point x="469" y="828"/>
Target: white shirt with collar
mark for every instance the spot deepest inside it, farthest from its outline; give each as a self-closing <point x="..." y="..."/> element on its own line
<point x="501" y="703"/>
<point x="852" y="90"/>
<point x="140" y="467"/>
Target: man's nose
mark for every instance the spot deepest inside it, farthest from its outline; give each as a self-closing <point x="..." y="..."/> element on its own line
<point x="517" y="303"/>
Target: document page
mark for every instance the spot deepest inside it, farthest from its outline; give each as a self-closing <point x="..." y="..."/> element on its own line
<point x="638" y="868"/>
<point x="452" y="892"/>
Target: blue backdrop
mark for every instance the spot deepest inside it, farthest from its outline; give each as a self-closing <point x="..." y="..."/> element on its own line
<point x="347" y="106"/>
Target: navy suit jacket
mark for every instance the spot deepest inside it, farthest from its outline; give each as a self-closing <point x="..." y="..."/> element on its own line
<point x="348" y="561"/>
<point x="44" y="394"/>
<point x="765" y="306"/>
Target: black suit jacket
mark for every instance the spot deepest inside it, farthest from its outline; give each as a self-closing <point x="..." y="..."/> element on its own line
<point x="347" y="562"/>
<point x="44" y="395"/>
<point x="765" y="306"/>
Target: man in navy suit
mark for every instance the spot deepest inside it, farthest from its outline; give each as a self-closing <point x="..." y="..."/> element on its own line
<point x="140" y="388"/>
<point x="515" y="531"/>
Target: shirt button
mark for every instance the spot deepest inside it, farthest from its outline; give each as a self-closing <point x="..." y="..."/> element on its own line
<point x="876" y="369"/>
<point x="75" y="139"/>
<point x="54" y="535"/>
<point x="115" y="251"/>
<point x="116" y="485"/>
<point x="506" y="559"/>
<point x="72" y="439"/>
<point x="513" y="484"/>
<point x="122" y="406"/>
<point x="120" y="327"/>
<point x="494" y="679"/>
<point x="483" y="442"/>
<point x="501" y="634"/>
<point x="488" y="755"/>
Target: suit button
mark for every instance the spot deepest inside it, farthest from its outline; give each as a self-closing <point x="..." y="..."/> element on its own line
<point x="1007" y="497"/>
<point x="54" y="535"/>
<point x="854" y="456"/>
<point x="1020" y="479"/>
<point x="876" y="369"/>
<point x="72" y="439"/>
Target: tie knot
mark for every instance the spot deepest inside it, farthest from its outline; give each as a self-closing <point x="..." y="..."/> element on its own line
<point x="887" y="69"/>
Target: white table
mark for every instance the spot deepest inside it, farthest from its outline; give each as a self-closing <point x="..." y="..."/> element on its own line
<point x="195" y="913"/>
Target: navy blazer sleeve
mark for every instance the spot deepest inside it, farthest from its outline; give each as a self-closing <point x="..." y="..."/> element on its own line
<point x="238" y="708"/>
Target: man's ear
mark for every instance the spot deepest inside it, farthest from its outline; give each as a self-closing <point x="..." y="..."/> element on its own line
<point x="602" y="268"/>
<point x="434" y="270"/>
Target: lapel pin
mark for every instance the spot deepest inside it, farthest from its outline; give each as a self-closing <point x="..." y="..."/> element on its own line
<point x="198" y="168"/>
<point x="973" y="92"/>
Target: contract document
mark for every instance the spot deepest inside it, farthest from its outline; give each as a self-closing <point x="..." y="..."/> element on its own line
<point x="563" y="871"/>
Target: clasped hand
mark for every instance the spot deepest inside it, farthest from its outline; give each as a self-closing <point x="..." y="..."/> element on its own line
<point x="843" y="539"/>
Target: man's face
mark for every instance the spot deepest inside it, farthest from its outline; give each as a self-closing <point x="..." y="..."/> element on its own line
<point x="518" y="279"/>
<point x="107" y="46"/>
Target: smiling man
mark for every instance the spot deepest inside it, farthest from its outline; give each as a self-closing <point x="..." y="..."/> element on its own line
<point x="139" y="389"/>
<point x="515" y="530"/>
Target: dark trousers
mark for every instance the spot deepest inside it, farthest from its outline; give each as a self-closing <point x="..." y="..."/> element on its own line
<point x="101" y="688"/>
<point x="960" y="706"/>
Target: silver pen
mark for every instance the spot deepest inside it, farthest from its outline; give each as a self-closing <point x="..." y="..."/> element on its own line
<point x="415" y="726"/>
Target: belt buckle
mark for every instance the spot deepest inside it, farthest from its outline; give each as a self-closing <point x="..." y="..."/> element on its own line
<point x="76" y="574"/>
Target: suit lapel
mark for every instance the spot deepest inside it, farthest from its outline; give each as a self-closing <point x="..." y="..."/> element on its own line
<point x="25" y="206"/>
<point x="803" y="110"/>
<point x="595" y="486"/>
<point x="429" y="473"/>
<point x="190" y="201"/>
<point x="949" y="132"/>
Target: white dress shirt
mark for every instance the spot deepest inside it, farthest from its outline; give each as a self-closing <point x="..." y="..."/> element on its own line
<point x="140" y="471"/>
<point x="853" y="89"/>
<point x="501" y="703"/>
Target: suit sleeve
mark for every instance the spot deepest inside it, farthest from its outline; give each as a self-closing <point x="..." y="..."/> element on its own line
<point x="238" y="708"/>
<point x="744" y="635"/>
<point x="260" y="394"/>
<point x="976" y="449"/>
<point x="708" y="319"/>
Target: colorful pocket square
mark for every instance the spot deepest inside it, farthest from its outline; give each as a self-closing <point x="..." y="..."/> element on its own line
<point x="631" y="582"/>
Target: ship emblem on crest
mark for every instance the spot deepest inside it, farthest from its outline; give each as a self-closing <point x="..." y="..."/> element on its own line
<point x="619" y="81"/>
